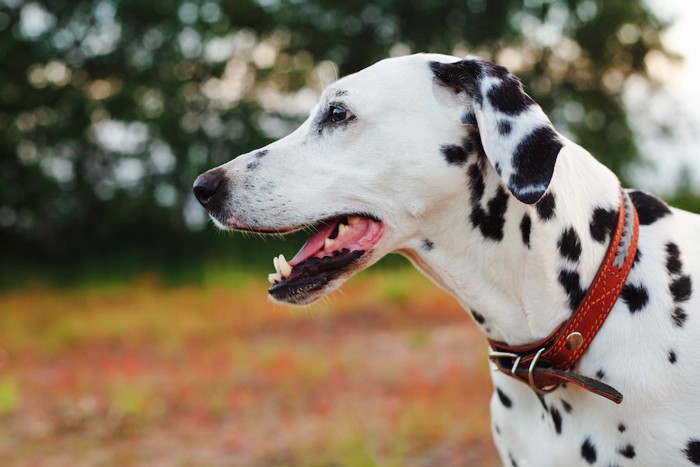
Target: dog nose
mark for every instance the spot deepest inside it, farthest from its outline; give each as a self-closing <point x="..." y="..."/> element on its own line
<point x="206" y="186"/>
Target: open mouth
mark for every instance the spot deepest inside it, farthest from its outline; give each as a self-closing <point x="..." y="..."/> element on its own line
<point x="335" y="246"/>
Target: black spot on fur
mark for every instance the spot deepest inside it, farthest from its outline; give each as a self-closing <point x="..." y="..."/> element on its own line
<point x="636" y="297"/>
<point x="692" y="451"/>
<point x="472" y="145"/>
<point x="649" y="208"/>
<point x="672" y="357"/>
<point x="567" y="406"/>
<point x="490" y="221"/>
<point x="508" y="96"/>
<point x="571" y="281"/>
<point x="427" y="245"/>
<point x="470" y="119"/>
<point x="570" y="244"/>
<point x="556" y="418"/>
<point x="545" y="207"/>
<point x="261" y="154"/>
<point x="588" y="451"/>
<point x="525" y="228"/>
<point x="476" y="183"/>
<point x="603" y="224"/>
<point x="505" y="400"/>
<point x="504" y="127"/>
<point x="627" y="451"/>
<point x="674" y="265"/>
<point x="600" y="374"/>
<point x="621" y="428"/>
<point x="681" y="288"/>
<point x="455" y="155"/>
<point x="478" y="317"/>
<point x="540" y="398"/>
<point x="533" y="163"/>
<point x="252" y="166"/>
<point x="498" y="430"/>
<point x="679" y="316"/>
<point x="637" y="256"/>
<point x="512" y="460"/>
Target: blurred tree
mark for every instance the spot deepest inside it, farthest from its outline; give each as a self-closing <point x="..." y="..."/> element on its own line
<point x="110" y="108"/>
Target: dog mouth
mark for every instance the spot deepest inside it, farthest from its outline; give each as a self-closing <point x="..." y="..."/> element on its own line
<point x="336" y="247"/>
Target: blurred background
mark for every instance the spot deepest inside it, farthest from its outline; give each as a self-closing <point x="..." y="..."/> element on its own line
<point x="132" y="332"/>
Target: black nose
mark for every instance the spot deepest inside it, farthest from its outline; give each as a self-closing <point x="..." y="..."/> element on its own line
<point x="207" y="185"/>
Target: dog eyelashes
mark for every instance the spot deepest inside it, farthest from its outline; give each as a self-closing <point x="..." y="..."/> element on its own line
<point x="337" y="115"/>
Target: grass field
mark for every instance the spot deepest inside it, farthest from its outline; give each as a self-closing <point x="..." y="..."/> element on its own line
<point x="388" y="372"/>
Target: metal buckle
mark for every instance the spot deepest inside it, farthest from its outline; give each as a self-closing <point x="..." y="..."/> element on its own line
<point x="493" y="356"/>
<point x="531" y="378"/>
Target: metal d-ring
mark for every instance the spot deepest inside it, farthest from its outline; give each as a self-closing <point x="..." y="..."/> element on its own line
<point x="531" y="378"/>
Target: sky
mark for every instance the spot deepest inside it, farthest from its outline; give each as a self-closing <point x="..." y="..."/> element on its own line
<point x="680" y="97"/>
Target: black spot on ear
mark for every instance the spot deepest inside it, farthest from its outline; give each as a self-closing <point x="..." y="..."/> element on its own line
<point x="426" y="244"/>
<point x="603" y="224"/>
<point x="682" y="288"/>
<point x="674" y="265"/>
<point x="588" y="451"/>
<point x="505" y="127"/>
<point x="621" y="428"/>
<point x="556" y="418"/>
<point x="649" y="208"/>
<point x="455" y="155"/>
<point x="692" y="451"/>
<point x="636" y="297"/>
<point x="570" y="244"/>
<point x="464" y="75"/>
<point x="627" y="451"/>
<point x="679" y="316"/>
<point x="600" y="374"/>
<point x="505" y="400"/>
<point x="478" y="317"/>
<point x="571" y="281"/>
<point x="261" y="154"/>
<point x="508" y="96"/>
<point x="567" y="406"/>
<point x="545" y="207"/>
<point x="533" y="164"/>
<point x="491" y="221"/>
<point x="672" y="356"/>
<point x="525" y="228"/>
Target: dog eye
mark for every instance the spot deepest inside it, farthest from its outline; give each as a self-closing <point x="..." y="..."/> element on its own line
<point x="338" y="114"/>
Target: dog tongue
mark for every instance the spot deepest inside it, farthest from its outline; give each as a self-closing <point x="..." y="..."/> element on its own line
<point x="314" y="243"/>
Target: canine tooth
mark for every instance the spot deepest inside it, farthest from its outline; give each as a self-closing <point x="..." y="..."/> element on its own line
<point x="352" y="220"/>
<point x="342" y="228"/>
<point x="276" y="262"/>
<point x="328" y="244"/>
<point x="272" y="278"/>
<point x="285" y="267"/>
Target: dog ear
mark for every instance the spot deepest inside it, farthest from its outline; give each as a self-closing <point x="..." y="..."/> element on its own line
<point x="517" y="136"/>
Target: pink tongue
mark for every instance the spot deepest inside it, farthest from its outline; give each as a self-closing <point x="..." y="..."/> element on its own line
<point x="314" y="243"/>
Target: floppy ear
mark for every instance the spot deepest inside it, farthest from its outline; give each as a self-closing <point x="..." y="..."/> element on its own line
<point x="517" y="136"/>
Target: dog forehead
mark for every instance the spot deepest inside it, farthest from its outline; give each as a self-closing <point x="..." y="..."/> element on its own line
<point x="389" y="78"/>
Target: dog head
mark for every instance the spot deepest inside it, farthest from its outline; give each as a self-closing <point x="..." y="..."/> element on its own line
<point x="383" y="151"/>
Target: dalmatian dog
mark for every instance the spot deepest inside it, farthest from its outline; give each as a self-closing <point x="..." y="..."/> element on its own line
<point x="450" y="163"/>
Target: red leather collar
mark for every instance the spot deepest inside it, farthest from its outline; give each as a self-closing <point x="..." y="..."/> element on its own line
<point x="546" y="364"/>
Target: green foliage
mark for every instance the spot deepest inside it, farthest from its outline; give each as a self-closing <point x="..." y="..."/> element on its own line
<point x="9" y="395"/>
<point x="110" y="108"/>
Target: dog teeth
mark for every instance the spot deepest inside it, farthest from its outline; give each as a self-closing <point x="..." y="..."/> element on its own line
<point x="274" y="278"/>
<point x="328" y="244"/>
<point x="276" y="263"/>
<point x="285" y="268"/>
<point x="342" y="228"/>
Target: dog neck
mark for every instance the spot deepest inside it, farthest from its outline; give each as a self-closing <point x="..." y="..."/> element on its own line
<point x="521" y="270"/>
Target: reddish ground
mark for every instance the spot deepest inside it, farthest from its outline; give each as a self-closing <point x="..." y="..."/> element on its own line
<point x="147" y="375"/>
